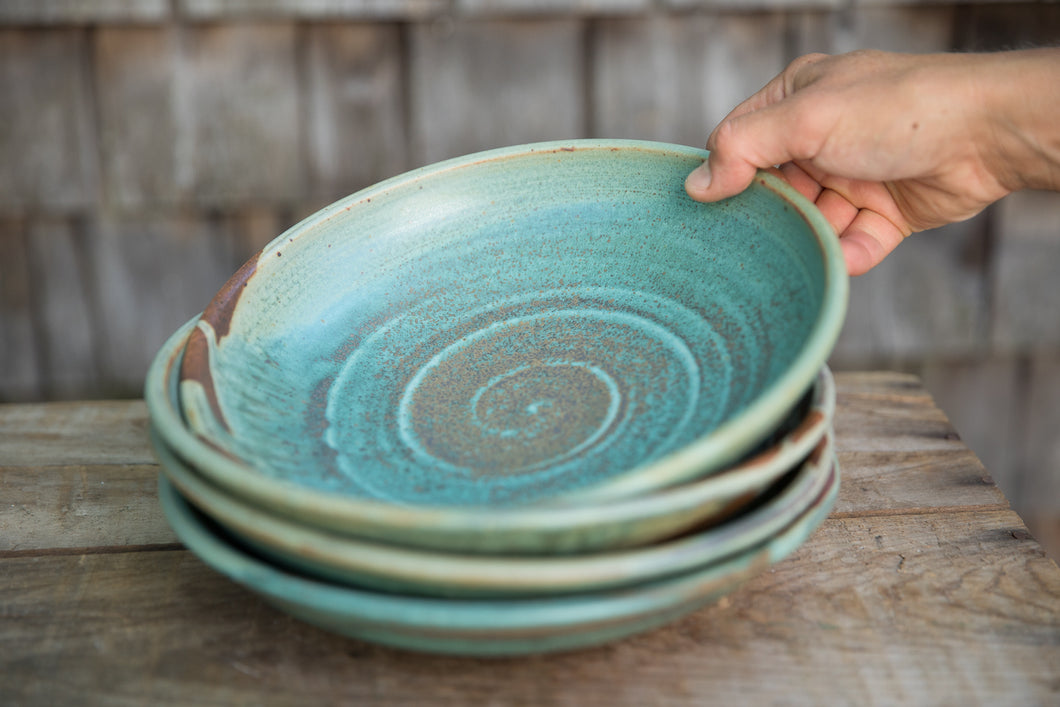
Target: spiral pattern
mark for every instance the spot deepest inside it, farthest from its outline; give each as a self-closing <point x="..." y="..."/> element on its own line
<point x="520" y="396"/>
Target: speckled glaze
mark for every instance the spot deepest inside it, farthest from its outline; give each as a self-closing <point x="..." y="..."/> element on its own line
<point x="566" y="529"/>
<point x="423" y="572"/>
<point x="486" y="627"/>
<point x="517" y="326"/>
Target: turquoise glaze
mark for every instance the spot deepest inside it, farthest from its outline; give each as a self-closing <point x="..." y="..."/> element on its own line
<point x="486" y="627"/>
<point x="410" y="571"/>
<point x="529" y="530"/>
<point x="530" y="324"/>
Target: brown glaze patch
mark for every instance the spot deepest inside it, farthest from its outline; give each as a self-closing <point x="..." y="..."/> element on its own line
<point x="763" y="458"/>
<point x="219" y="312"/>
<point x="818" y="453"/>
<point x="196" y="367"/>
<point x="813" y="418"/>
<point x="221" y="450"/>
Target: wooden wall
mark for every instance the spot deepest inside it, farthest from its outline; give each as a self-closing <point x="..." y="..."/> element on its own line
<point x="147" y="147"/>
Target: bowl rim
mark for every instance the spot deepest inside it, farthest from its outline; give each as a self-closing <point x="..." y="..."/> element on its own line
<point x="440" y="613"/>
<point x="720" y="446"/>
<point x="357" y="560"/>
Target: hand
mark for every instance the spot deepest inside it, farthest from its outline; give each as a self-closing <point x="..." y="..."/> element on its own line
<point x="890" y="144"/>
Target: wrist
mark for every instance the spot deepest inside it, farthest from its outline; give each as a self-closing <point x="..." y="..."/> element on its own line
<point x="1019" y="93"/>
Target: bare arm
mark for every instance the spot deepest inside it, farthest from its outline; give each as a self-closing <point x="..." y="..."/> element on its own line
<point x="890" y="144"/>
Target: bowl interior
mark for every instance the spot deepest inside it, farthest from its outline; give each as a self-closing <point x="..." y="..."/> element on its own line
<point x="517" y="326"/>
<point x="569" y="528"/>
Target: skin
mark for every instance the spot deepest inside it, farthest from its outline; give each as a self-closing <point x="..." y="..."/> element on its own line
<point x="890" y="144"/>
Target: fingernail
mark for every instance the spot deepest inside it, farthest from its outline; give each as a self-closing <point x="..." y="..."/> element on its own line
<point x="698" y="179"/>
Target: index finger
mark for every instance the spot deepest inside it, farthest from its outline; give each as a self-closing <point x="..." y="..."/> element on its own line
<point x="779" y="87"/>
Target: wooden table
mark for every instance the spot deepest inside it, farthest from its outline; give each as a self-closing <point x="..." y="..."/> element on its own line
<point x="921" y="588"/>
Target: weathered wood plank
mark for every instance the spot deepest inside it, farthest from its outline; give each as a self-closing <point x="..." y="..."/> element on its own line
<point x="207" y="113"/>
<point x="20" y="374"/>
<point x="153" y="273"/>
<point x="672" y="78"/>
<point x="88" y="507"/>
<point x="1041" y="475"/>
<point x="32" y="12"/>
<point x="244" y="142"/>
<point x="65" y="434"/>
<point x="355" y="106"/>
<point x="913" y="464"/>
<point x="881" y="482"/>
<point x="985" y="400"/>
<point x="899" y="453"/>
<point x="253" y="228"/>
<point x="958" y="609"/>
<point x="524" y="8"/>
<point x="311" y="9"/>
<point x="63" y="295"/>
<point x="889" y="412"/>
<point x="1026" y="300"/>
<point x="144" y="160"/>
<point x="482" y="84"/>
<point x="46" y="143"/>
<point x="753" y="5"/>
<point x="907" y="27"/>
<point x="889" y="316"/>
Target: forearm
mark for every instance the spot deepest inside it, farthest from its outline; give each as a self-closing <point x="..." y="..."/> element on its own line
<point x="1020" y="92"/>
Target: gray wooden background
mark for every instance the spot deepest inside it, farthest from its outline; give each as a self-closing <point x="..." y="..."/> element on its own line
<point x="148" y="147"/>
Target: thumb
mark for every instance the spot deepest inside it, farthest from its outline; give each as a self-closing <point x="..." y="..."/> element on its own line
<point x="718" y="178"/>
<point x="742" y="145"/>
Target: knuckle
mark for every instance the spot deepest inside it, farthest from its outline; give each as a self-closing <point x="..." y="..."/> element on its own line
<point x="726" y="136"/>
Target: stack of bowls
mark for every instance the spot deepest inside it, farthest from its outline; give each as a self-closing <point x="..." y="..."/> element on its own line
<point x="526" y="400"/>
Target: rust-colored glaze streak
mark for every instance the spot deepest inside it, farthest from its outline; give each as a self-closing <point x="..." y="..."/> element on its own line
<point x="818" y="451"/>
<point x="813" y="419"/>
<point x="196" y="367"/>
<point x="219" y="312"/>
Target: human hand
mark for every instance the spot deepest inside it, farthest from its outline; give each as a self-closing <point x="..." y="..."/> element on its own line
<point x="890" y="144"/>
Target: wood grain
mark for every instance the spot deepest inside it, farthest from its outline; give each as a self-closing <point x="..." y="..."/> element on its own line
<point x="57" y="434"/>
<point x="144" y="160"/>
<point x="887" y="317"/>
<point x="48" y="157"/>
<point x="244" y="144"/>
<point x="921" y="588"/>
<point x="475" y="85"/>
<point x="917" y="609"/>
<point x="1025" y="298"/>
<point x="20" y="374"/>
<point x="671" y="78"/>
<point x="914" y="463"/>
<point x="59" y="271"/>
<point x="355" y="107"/>
<point x="83" y="507"/>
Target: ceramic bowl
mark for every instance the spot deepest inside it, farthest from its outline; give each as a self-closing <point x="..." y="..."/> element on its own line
<point x="583" y="528"/>
<point x="541" y="322"/>
<point x="410" y="571"/>
<point x="487" y="627"/>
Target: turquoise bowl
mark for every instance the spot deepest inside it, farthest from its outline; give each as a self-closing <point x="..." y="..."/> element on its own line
<point x="544" y="323"/>
<point x="375" y="565"/>
<point x="486" y="627"/>
<point x="527" y="530"/>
